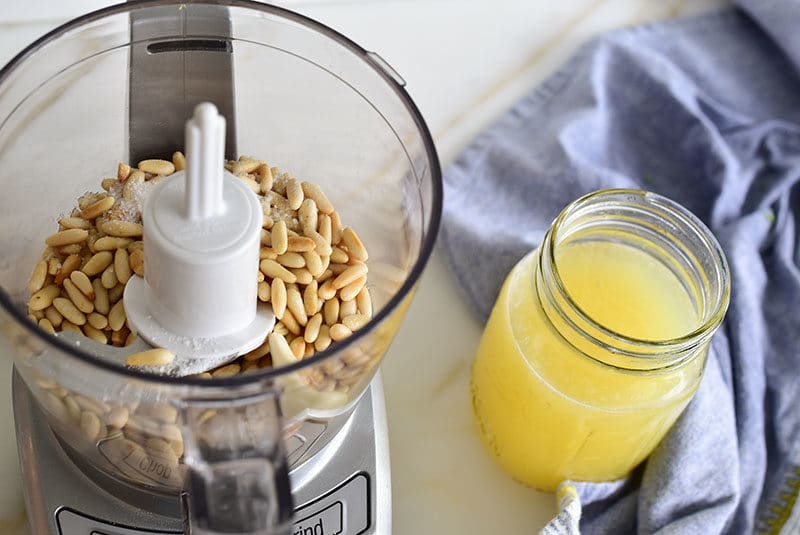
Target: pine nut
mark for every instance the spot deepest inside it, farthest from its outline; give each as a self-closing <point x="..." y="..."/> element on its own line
<point x="258" y="352"/>
<point x="110" y="243"/>
<point x="44" y="297"/>
<point x="303" y="275"/>
<point x="323" y="338"/>
<point x="53" y="265"/>
<point x="90" y="425"/>
<point x="95" y="334"/>
<point x="266" y="238"/>
<point x="66" y="237"/>
<point x="118" y="337"/>
<point x="280" y="239"/>
<point x="300" y="244"/>
<point x="325" y="227"/>
<point x="364" y="302"/>
<point x="280" y="328"/>
<point x="298" y="347"/>
<point x="97" y="320"/>
<point x="314" y="263"/>
<point x="252" y="184"/>
<point x="68" y="326"/>
<point x="339" y="332"/>
<point x="101" y="303"/>
<point x="80" y="301"/>
<point x="70" y="312"/>
<point x="123" y="170"/>
<point x="279" y="349"/>
<point x="245" y="165"/>
<point x="97" y="263"/>
<point x="46" y="326"/>
<point x="338" y="256"/>
<point x="75" y="222"/>
<point x="73" y="409"/>
<point x="307" y="214"/>
<point x="350" y="291"/>
<point x="71" y="263"/>
<point x="265" y="174"/>
<point x="108" y="183"/>
<point x="349" y="275"/>
<point x="226" y="371"/>
<point x="82" y="282"/>
<point x="327" y="291"/>
<point x="355" y="321"/>
<point x="263" y="291"/>
<point x="122" y="267"/>
<point x="291" y="260"/>
<point x="356" y="359"/>
<point x="278" y="296"/>
<point x="70" y="249"/>
<point x="97" y="208"/>
<point x="109" y="277"/>
<point x="116" y="316"/>
<point x="36" y="282"/>
<point x="315" y="192"/>
<point x="115" y="293"/>
<point x="310" y="299"/>
<point x="354" y="245"/>
<point x="322" y="246"/>
<point x="152" y="357"/>
<point x="133" y="185"/>
<point x="157" y="167"/>
<point x="117" y="417"/>
<point x="294" y="302"/>
<point x="122" y="229"/>
<point x="347" y="308"/>
<point x="312" y="328"/>
<point x="294" y="193"/>
<point x="289" y="320"/>
<point x="336" y="227"/>
<point x="128" y="339"/>
<point x="179" y="160"/>
<point x="330" y="311"/>
<point x="54" y="316"/>
<point x="136" y="260"/>
<point x="271" y="268"/>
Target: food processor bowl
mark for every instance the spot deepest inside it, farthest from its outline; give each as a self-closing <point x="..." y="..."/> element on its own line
<point x="307" y="100"/>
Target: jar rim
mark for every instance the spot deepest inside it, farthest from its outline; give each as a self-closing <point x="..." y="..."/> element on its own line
<point x="679" y="344"/>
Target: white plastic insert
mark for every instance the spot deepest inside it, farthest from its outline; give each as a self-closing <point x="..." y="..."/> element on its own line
<point x="202" y="235"/>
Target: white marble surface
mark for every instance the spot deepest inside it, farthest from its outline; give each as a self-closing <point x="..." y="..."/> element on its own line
<point x="464" y="61"/>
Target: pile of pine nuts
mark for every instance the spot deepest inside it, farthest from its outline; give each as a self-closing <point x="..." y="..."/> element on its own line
<point x="312" y="270"/>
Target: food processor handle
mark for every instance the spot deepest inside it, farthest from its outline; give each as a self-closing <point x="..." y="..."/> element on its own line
<point x="238" y="477"/>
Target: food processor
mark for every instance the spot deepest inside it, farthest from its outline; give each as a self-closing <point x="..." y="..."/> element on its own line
<point x="112" y="450"/>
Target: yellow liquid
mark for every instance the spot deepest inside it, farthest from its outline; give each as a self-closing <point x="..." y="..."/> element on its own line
<point x="547" y="411"/>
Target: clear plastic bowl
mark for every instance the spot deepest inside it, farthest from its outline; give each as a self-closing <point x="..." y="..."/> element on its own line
<point x="307" y="100"/>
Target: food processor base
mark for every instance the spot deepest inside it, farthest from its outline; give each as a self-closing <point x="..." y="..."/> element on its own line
<point x="343" y="489"/>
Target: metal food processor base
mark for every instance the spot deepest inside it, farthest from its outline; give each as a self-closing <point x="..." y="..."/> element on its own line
<point x="344" y="489"/>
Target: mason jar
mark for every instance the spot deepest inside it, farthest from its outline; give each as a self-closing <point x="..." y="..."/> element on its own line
<point x="598" y="339"/>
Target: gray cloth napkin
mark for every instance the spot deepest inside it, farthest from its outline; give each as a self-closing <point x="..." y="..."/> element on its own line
<point x="707" y="112"/>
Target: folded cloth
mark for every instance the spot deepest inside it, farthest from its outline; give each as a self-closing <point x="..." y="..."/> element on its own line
<point x="707" y="112"/>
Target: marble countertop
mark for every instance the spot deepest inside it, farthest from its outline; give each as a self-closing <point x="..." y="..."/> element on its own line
<point x="465" y="62"/>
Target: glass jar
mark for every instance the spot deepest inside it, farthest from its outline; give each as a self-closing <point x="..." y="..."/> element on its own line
<point x="598" y="339"/>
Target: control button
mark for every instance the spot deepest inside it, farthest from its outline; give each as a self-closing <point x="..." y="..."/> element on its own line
<point x="344" y="510"/>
